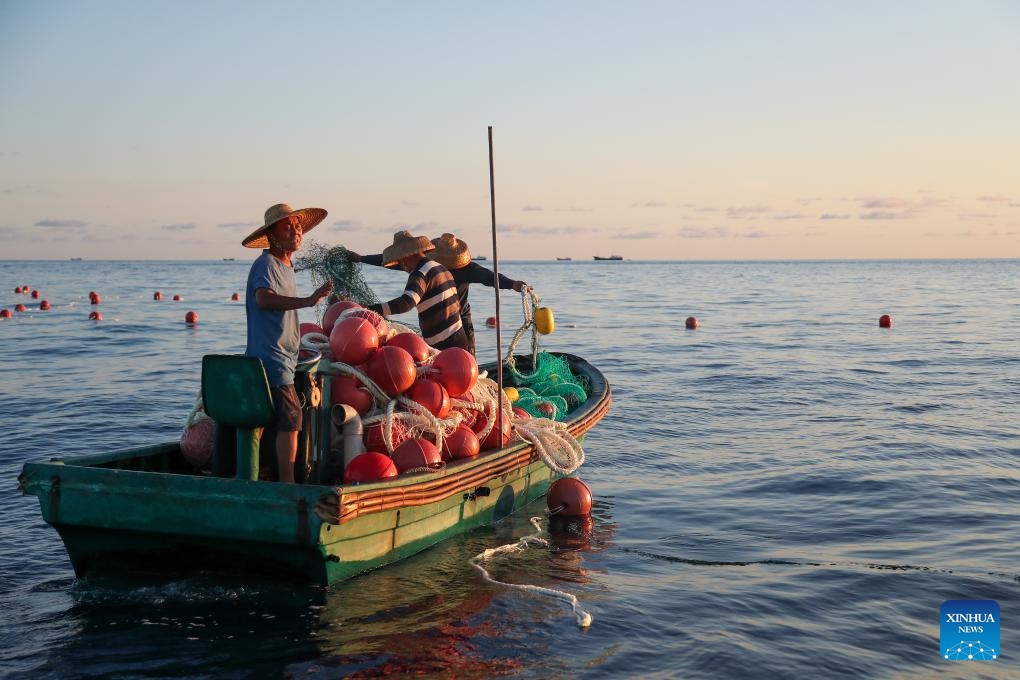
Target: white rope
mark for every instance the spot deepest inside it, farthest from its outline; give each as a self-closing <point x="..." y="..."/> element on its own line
<point x="583" y="618"/>
<point x="528" y="295"/>
<point x="555" y="445"/>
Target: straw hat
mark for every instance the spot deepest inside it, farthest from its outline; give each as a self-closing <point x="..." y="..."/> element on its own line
<point x="404" y="244"/>
<point x="450" y="252"/>
<point x="310" y="217"/>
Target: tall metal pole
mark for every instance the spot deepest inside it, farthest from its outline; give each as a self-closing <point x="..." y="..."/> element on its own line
<point x="495" y="272"/>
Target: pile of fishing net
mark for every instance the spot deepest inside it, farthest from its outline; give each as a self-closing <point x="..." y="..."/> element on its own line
<point x="551" y="390"/>
<point x="334" y="264"/>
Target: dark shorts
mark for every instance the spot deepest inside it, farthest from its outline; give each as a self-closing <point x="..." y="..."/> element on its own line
<point x="288" y="408"/>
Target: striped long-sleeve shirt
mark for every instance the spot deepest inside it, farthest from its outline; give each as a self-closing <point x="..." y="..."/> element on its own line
<point x="431" y="289"/>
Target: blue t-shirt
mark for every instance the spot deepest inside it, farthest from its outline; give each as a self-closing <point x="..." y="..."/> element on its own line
<point x="272" y="334"/>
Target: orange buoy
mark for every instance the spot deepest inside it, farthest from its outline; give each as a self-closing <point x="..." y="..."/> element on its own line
<point x="491" y="322"/>
<point x="374" y="440"/>
<point x="369" y="467"/>
<point x="413" y="343"/>
<point x="332" y="313"/>
<point x="20" y="307"/>
<point x="308" y="327"/>
<point x="235" y="297"/>
<point x="94" y="298"/>
<point x="348" y="390"/>
<point x="157" y="295"/>
<point x="885" y="321"/>
<point x="5" y="313"/>
<point x="191" y="317"/>
<point x="178" y="298"/>
<point x="35" y="294"/>
<point x="44" y="305"/>
<point x="381" y="326"/>
<point x="691" y="323"/>
<point x="569" y="497"/>
<point x="415" y="453"/>
<point x="391" y="368"/>
<point x="353" y="341"/>
<point x="456" y="369"/>
<point x="461" y="443"/>
<point x="96" y="316"/>
<point x="431" y="395"/>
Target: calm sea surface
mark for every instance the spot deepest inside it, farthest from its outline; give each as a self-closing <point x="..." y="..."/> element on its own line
<point x="787" y="492"/>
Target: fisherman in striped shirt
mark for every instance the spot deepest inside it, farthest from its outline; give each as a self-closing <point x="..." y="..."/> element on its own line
<point x="430" y="288"/>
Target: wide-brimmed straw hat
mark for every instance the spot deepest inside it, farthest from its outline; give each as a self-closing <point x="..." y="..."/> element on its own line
<point x="404" y="244"/>
<point x="450" y="252"/>
<point x="310" y="217"/>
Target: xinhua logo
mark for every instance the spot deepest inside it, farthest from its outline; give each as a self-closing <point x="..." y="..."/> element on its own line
<point x="969" y="630"/>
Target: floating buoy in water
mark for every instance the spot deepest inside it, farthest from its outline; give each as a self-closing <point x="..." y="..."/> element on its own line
<point x="157" y="295"/>
<point x="35" y="294"/>
<point x="235" y="297"/>
<point x="430" y="394"/>
<point x="44" y="305"/>
<point x="413" y="343"/>
<point x="191" y="317"/>
<point x="5" y="313"/>
<point x="456" y="369"/>
<point x="691" y="323"/>
<point x="96" y="316"/>
<point x="392" y="368"/>
<point x="20" y="307"/>
<point x="94" y="298"/>
<point x="415" y="453"/>
<point x="569" y="497"/>
<point x="885" y="321"/>
<point x="544" y="322"/>
<point x="17" y="290"/>
<point x="332" y="313"/>
<point x="178" y="298"/>
<point x="347" y="390"/>
<point x="491" y="322"/>
<point x="369" y="467"/>
<point x="461" y="443"/>
<point x="353" y="341"/>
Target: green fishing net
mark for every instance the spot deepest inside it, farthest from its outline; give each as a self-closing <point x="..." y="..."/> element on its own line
<point x="551" y="390"/>
<point x="334" y="264"/>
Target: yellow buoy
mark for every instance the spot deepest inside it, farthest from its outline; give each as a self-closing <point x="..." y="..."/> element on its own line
<point x="544" y="322"/>
<point x="512" y="394"/>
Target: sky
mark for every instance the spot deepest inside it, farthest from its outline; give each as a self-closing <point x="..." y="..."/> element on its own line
<point x="652" y="130"/>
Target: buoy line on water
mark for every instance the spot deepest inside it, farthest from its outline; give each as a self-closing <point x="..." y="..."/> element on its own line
<point x="584" y="619"/>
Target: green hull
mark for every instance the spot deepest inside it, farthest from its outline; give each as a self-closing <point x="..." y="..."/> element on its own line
<point x="146" y="510"/>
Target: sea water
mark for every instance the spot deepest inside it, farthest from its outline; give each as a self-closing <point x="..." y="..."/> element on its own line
<point x="788" y="491"/>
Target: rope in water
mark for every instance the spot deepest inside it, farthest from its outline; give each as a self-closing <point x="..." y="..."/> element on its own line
<point x="584" y="619"/>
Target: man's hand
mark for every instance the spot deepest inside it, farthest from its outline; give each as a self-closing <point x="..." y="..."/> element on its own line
<point x="519" y="285"/>
<point x="321" y="292"/>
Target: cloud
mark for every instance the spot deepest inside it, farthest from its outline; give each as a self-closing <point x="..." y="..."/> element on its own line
<point x="996" y="198"/>
<point x="237" y="225"/>
<point x="1014" y="205"/>
<point x="833" y="216"/>
<point x="739" y="212"/>
<point x="542" y="230"/>
<point x="62" y="224"/>
<point x="703" y="232"/>
<point x="532" y="208"/>
<point x="409" y="203"/>
<point x="791" y="216"/>
<point x="638" y="235"/>
<point x="178" y="227"/>
<point x="649" y="204"/>
<point x="753" y="234"/>
<point x="707" y="210"/>
<point x="884" y="203"/>
<point x="573" y="208"/>
<point x="345" y="225"/>
<point x="882" y="215"/>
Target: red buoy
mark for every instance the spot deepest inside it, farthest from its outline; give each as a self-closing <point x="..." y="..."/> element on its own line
<point x="381" y="327"/>
<point x="347" y="390"/>
<point x="415" y="453"/>
<point x="5" y="313"/>
<point x="332" y="313"/>
<point x="391" y="368"/>
<point x="431" y="395"/>
<point x="456" y="369"/>
<point x="235" y="297"/>
<point x="413" y="343"/>
<point x="521" y="413"/>
<point x="373" y="437"/>
<point x="157" y="295"/>
<point x="94" y="298"/>
<point x="569" y="497"/>
<point x="17" y="289"/>
<point x="885" y="321"/>
<point x="20" y="307"/>
<point x="178" y="298"/>
<point x="369" y="467"/>
<point x="44" y="305"/>
<point x="491" y="322"/>
<point x="691" y="323"/>
<point x="493" y="440"/>
<point x="35" y="294"/>
<point x="308" y="327"/>
<point x="191" y="317"/>
<point x="96" y="316"/>
<point x="353" y="341"/>
<point x="461" y="443"/>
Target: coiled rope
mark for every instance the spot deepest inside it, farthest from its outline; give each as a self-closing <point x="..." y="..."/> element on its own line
<point x="584" y="619"/>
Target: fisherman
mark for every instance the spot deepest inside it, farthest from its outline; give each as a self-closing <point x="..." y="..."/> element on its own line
<point x="271" y="305"/>
<point x="454" y="254"/>
<point x="430" y="288"/>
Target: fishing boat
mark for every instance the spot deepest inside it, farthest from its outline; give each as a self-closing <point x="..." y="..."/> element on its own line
<point x="145" y="510"/>
<point x="611" y="257"/>
<point x="479" y="258"/>
<point x="562" y="259"/>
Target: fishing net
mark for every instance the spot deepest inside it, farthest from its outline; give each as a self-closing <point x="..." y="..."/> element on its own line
<point x="334" y="264"/>
<point x="551" y="390"/>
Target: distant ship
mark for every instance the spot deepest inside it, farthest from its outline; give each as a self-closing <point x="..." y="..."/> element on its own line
<point x="562" y="259"/>
<point x="75" y="259"/>
<point x="479" y="258"/>
<point x="228" y="259"/>
<point x="611" y="257"/>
